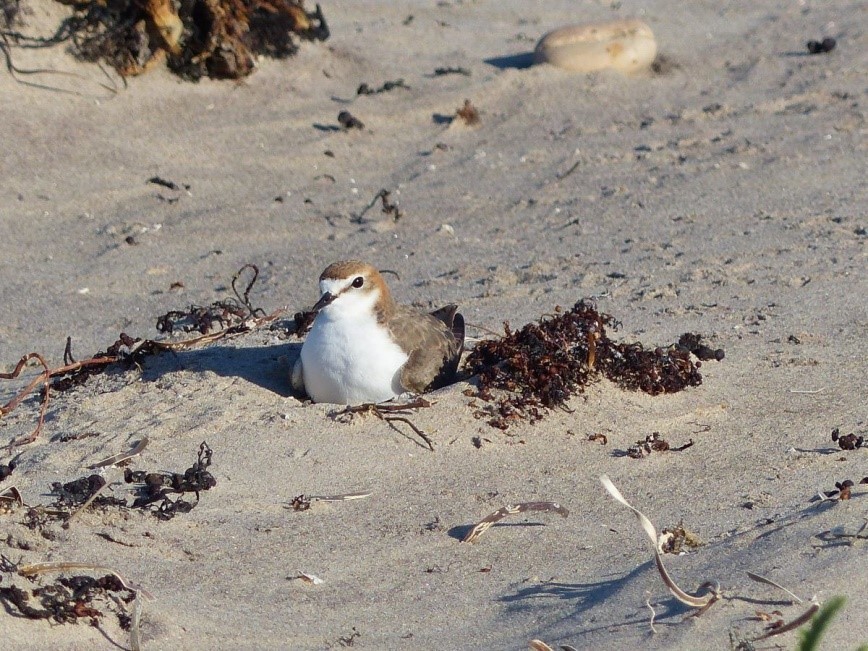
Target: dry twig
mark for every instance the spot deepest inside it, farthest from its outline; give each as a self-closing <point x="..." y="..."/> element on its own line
<point x="387" y="413"/>
<point x="124" y="349"/>
<point x="767" y="581"/>
<point x="87" y="503"/>
<point x="512" y="509"/>
<point x="115" y="459"/>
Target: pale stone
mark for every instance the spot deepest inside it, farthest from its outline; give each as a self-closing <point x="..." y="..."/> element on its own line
<point x="627" y="46"/>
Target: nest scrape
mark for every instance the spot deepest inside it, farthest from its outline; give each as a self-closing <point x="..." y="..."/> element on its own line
<point x="549" y="361"/>
<point x="215" y="38"/>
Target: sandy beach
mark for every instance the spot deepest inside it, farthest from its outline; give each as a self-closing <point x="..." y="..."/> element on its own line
<point x="723" y="193"/>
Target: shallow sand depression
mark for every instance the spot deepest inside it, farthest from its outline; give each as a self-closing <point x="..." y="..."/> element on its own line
<point x="722" y="192"/>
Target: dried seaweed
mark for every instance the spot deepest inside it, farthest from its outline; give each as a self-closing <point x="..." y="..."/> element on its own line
<point x="68" y="599"/>
<point x="654" y="442"/>
<point x="674" y="540"/>
<point x="156" y="486"/>
<point x="847" y="441"/>
<point x="75" y="492"/>
<point x="821" y="47"/>
<point x="549" y="361"/>
<point x="349" y="121"/>
<point x="365" y="89"/>
<point x="468" y="113"/>
<point x="843" y="491"/>
<point x="197" y="38"/>
<point x="226" y="313"/>
<point x="388" y="208"/>
<point x="6" y="469"/>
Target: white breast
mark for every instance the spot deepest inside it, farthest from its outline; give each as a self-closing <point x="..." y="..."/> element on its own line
<point x="348" y="361"/>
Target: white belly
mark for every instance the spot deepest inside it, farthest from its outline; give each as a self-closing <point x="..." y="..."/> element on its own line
<point x="350" y="362"/>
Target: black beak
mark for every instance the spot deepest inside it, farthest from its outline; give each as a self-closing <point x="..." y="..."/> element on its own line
<point x="324" y="300"/>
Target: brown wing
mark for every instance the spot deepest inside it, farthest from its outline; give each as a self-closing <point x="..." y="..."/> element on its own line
<point x="435" y="342"/>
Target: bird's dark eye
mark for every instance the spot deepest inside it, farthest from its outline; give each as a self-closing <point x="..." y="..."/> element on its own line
<point x="358" y="282"/>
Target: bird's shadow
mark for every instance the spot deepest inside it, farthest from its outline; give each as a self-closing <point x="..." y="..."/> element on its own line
<point x="259" y="365"/>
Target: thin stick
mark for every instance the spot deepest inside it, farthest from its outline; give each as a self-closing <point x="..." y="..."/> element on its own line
<point x="561" y="177"/>
<point x="346" y="497"/>
<point x="484" y="329"/>
<point x="121" y="456"/>
<point x="762" y="579"/>
<point x="358" y="218"/>
<point x="81" y="508"/>
<point x="401" y="419"/>
<point x="135" y="625"/>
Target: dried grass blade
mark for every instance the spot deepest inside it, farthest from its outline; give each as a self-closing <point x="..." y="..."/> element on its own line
<point x="762" y="579"/>
<point x="346" y="497"/>
<point x="685" y="598"/>
<point x="539" y="645"/>
<point x="512" y="509"/>
<point x="122" y="456"/>
<point x="309" y="578"/>
<point x="13" y="495"/>
<point x="87" y="503"/>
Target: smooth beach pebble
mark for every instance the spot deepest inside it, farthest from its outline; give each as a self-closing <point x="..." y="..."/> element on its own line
<point x="624" y="45"/>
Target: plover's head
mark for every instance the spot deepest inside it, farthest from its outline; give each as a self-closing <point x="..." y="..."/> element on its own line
<point x="352" y="288"/>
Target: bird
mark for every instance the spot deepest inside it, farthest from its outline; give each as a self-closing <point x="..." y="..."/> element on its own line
<point x="363" y="347"/>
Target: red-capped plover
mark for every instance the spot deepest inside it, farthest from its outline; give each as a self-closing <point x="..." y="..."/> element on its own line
<point x="365" y="348"/>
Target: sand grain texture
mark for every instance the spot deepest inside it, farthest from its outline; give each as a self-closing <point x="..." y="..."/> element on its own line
<point x="724" y="195"/>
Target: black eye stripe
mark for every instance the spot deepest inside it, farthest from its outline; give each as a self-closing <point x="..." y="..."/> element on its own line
<point x="358" y="281"/>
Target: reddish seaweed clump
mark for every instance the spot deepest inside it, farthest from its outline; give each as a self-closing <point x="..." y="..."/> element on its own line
<point x="545" y="363"/>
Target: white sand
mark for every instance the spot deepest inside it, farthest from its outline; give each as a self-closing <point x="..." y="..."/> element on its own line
<point x="726" y="197"/>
